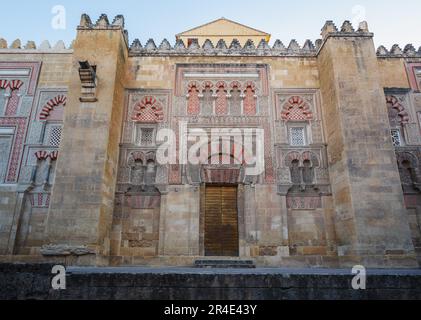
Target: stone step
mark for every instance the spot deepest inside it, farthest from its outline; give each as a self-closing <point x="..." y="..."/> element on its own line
<point x="225" y="264"/>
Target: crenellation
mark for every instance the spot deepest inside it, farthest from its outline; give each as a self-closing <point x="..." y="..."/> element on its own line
<point x="3" y="43"/>
<point x="396" y="50"/>
<point x="309" y="46"/>
<point x="136" y="46"/>
<point x="194" y="45"/>
<point x="318" y="44"/>
<point x="165" y="45"/>
<point x="279" y="46"/>
<point x="249" y="46"/>
<point x="59" y="45"/>
<point x="347" y="30"/>
<point x="363" y="27"/>
<point x="179" y="45"/>
<point x="235" y="45"/>
<point x="294" y="46"/>
<point x="382" y="51"/>
<point x="263" y="45"/>
<point x="410" y="50"/>
<point x="85" y="21"/>
<point x="16" y="44"/>
<point x="221" y="45"/>
<point x="45" y="45"/>
<point x="102" y="21"/>
<point x="221" y="48"/>
<point x="150" y="45"/>
<point x="119" y="21"/>
<point x="30" y="45"/>
<point x="347" y="27"/>
<point x="328" y="28"/>
<point x="208" y="45"/>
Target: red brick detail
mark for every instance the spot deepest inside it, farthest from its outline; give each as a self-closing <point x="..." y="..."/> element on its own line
<point x="221" y="106"/>
<point x="174" y="176"/>
<point x="250" y="100"/>
<point x="148" y="110"/>
<point x="403" y="115"/>
<point x="312" y="157"/>
<point x="296" y="109"/>
<point x="411" y="71"/>
<point x="34" y="68"/>
<point x="292" y="156"/>
<point x="12" y="104"/>
<point x="15" y="157"/>
<point x="207" y="85"/>
<point x="4" y="84"/>
<point x="53" y="155"/>
<point x="45" y="112"/>
<point x="41" y="155"/>
<point x="15" y="84"/>
<point x="39" y="200"/>
<point x="269" y="170"/>
<point x="235" y="85"/>
<point x="193" y="106"/>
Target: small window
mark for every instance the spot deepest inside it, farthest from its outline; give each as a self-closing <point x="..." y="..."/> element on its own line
<point x="54" y="137"/>
<point x="297" y="136"/>
<point x="396" y="137"/>
<point x="145" y="137"/>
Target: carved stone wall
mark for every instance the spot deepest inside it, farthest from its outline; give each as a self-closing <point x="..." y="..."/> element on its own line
<point x="141" y="179"/>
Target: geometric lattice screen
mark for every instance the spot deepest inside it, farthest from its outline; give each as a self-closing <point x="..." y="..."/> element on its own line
<point x="54" y="137"/>
<point x="297" y="136"/>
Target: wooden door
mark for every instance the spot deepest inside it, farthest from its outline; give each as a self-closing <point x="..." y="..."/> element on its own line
<point x="221" y="221"/>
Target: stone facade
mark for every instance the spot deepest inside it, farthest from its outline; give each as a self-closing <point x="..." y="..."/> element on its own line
<point x="81" y="181"/>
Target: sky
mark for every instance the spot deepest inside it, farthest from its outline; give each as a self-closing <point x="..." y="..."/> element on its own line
<point x="392" y="21"/>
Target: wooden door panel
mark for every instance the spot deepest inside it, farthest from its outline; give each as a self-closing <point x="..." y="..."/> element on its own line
<point x="221" y="221"/>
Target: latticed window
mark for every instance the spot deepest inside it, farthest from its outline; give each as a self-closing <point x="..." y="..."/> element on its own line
<point x="297" y="136"/>
<point x="145" y="137"/>
<point x="54" y="138"/>
<point x="396" y="137"/>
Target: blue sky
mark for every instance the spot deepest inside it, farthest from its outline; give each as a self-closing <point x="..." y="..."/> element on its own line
<point x="392" y="21"/>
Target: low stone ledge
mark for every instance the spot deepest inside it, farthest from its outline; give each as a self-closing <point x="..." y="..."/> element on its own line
<point x="65" y="250"/>
<point x="33" y="281"/>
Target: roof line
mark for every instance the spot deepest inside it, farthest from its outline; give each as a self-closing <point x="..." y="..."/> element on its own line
<point x="237" y="23"/>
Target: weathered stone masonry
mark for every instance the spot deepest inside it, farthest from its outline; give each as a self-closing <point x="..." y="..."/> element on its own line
<point x="80" y="182"/>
